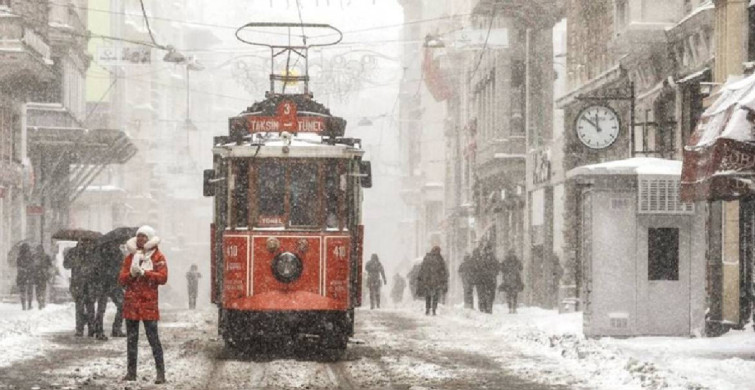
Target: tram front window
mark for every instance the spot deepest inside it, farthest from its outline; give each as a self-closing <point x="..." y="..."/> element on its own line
<point x="332" y="179"/>
<point x="241" y="194"/>
<point x="271" y="184"/>
<point x="304" y="199"/>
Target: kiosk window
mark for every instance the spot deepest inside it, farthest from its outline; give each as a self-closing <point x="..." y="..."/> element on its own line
<point x="663" y="254"/>
<point x="304" y="199"/>
<point x="271" y="184"/>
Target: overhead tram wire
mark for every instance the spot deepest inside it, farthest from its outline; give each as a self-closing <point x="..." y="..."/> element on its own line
<point x="149" y="29"/>
<point x="234" y="28"/>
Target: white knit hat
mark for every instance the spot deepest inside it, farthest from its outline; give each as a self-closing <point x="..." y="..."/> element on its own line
<point x="147" y="230"/>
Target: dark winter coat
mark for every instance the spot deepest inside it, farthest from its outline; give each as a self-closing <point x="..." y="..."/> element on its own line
<point x="42" y="267"/>
<point x="433" y="274"/>
<point x="397" y="291"/>
<point x="82" y="261"/>
<point x="192" y="280"/>
<point x="412" y="276"/>
<point x="24" y="266"/>
<point x="374" y="272"/>
<point x="512" y="274"/>
<point x="467" y="271"/>
<point x="109" y="260"/>
<point x="140" y="300"/>
<point x="488" y="268"/>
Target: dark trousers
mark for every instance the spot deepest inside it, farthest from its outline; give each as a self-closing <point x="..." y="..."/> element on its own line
<point x="431" y="301"/>
<point x="132" y="345"/>
<point x="26" y="291"/>
<point x="468" y="295"/>
<point x="511" y="300"/>
<point x="85" y="314"/>
<point x="192" y="298"/>
<point x="115" y="295"/>
<point x="41" y="290"/>
<point x="486" y="296"/>
<point x="375" y="297"/>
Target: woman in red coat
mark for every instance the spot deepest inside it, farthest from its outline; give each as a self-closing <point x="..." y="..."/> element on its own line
<point x="142" y="271"/>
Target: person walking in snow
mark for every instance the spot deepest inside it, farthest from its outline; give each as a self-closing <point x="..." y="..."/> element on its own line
<point x="143" y="270"/>
<point x="432" y="279"/>
<point x="397" y="291"/>
<point x="467" y="275"/>
<point x="375" y="272"/>
<point x="512" y="279"/>
<point x="42" y="271"/>
<point x="192" y="282"/>
<point x="488" y="277"/>
<point x="25" y="275"/>
<point x="81" y="260"/>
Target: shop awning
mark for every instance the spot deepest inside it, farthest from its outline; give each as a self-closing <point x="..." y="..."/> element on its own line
<point x="86" y="152"/>
<point x="719" y="159"/>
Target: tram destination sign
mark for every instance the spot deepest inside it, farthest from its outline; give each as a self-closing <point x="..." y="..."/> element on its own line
<point x="286" y="119"/>
<point x="267" y="124"/>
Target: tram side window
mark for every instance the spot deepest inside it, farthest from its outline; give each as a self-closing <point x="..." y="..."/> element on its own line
<point x="271" y="186"/>
<point x="332" y="190"/>
<point x="241" y="194"/>
<point x="304" y="197"/>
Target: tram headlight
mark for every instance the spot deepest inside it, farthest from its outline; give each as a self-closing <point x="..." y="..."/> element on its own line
<point x="287" y="267"/>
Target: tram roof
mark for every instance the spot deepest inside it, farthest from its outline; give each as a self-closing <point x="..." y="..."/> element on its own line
<point x="301" y="146"/>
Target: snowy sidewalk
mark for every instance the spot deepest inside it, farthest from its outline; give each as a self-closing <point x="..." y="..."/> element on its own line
<point x="721" y="363"/>
<point x="21" y="331"/>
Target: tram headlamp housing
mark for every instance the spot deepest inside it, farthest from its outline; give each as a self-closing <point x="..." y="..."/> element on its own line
<point x="287" y="267"/>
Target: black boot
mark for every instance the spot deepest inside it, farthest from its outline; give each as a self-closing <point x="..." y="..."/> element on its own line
<point x="160" y="379"/>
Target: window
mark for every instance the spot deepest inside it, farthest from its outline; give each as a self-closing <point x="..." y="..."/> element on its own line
<point x="332" y="193"/>
<point x="663" y="254"/>
<point x="6" y="134"/>
<point x="304" y="198"/>
<point x="621" y="16"/>
<point x="241" y="194"/>
<point x="271" y="184"/>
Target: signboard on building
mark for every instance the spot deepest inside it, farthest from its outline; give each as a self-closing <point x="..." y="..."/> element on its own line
<point x="469" y="38"/>
<point x="124" y="55"/>
<point x="541" y="160"/>
<point x="34" y="210"/>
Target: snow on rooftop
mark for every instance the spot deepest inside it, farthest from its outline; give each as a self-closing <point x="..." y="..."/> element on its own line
<point x="631" y="166"/>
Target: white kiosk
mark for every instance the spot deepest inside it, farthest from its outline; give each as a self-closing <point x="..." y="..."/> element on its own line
<point x="642" y="250"/>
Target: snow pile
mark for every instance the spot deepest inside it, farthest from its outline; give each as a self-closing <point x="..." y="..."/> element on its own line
<point x="633" y="363"/>
<point x="21" y="331"/>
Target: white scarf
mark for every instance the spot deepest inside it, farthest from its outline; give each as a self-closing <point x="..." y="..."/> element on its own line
<point x="144" y="260"/>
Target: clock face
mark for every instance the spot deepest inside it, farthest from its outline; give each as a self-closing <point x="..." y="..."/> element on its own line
<point x="598" y="127"/>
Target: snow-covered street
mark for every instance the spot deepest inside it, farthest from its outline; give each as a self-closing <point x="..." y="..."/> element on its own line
<point x="394" y="348"/>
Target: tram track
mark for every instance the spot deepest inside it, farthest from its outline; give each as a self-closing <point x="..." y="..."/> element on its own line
<point x="339" y="377"/>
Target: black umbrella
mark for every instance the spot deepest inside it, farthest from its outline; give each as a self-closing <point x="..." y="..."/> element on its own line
<point x="76" y="235"/>
<point x="118" y="235"/>
<point x="13" y="252"/>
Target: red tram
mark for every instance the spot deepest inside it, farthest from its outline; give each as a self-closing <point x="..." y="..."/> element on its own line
<point x="287" y="232"/>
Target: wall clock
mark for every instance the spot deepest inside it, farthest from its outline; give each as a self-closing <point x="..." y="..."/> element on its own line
<point x="598" y="126"/>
